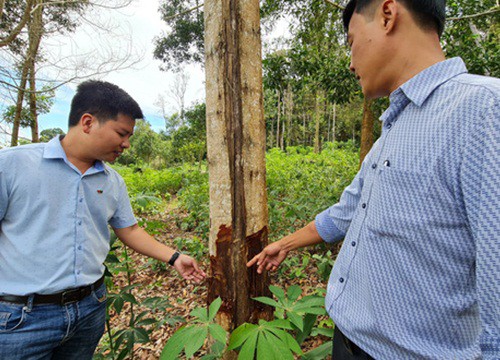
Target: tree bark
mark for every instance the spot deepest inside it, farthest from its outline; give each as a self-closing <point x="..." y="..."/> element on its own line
<point x="317" y="120"/>
<point x="334" y="121"/>
<point x="35" y="37"/>
<point x="366" y="130"/>
<point x="236" y="158"/>
<point x="35" y="33"/>
<point x="278" y="119"/>
<point x="19" y="105"/>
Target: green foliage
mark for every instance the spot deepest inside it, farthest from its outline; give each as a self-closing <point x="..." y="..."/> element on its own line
<point x="296" y="177"/>
<point x="475" y="39"/>
<point x="120" y="341"/>
<point x="190" y="338"/>
<point x="48" y="134"/>
<point x="267" y="340"/>
<point x="44" y="101"/>
<point x="325" y="264"/>
<point x="194" y="246"/>
<point x="184" y="42"/>
<point x="301" y="313"/>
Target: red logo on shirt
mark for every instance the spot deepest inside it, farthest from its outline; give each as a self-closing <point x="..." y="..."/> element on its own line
<point x="99" y="191"/>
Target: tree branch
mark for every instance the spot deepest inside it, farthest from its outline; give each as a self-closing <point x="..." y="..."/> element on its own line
<point x="13" y="34"/>
<point x="338" y="6"/>
<point x="489" y="12"/>
<point x="184" y="12"/>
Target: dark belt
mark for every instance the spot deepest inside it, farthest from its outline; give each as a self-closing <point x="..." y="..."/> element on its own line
<point x="354" y="351"/>
<point x="62" y="298"/>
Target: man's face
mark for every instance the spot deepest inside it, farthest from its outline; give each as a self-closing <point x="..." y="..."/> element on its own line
<point x="368" y="57"/>
<point x="111" y="138"/>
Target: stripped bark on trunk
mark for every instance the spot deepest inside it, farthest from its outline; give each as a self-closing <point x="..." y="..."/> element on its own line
<point x="236" y="158"/>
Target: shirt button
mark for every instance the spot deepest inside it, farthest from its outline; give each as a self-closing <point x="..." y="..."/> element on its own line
<point x="78" y="272"/>
<point x="353" y="243"/>
<point x="363" y="205"/>
<point x="374" y="166"/>
<point x="81" y="199"/>
<point x="387" y="163"/>
<point x="80" y="222"/>
<point x="80" y="247"/>
<point x="341" y="280"/>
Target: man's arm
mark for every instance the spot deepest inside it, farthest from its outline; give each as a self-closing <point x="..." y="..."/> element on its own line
<point x="331" y="225"/>
<point x="480" y="180"/>
<point x="274" y="254"/>
<point x="139" y="240"/>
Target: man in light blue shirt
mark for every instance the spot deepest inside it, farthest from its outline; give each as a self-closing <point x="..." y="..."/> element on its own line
<point x="418" y="275"/>
<point x="56" y="202"/>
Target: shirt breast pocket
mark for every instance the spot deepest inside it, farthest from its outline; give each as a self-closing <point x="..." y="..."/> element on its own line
<point x="397" y="209"/>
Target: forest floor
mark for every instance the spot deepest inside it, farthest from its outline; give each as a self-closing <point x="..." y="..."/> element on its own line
<point x="185" y="296"/>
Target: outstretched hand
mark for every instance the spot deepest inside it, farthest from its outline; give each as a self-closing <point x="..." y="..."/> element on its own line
<point x="269" y="258"/>
<point x="188" y="268"/>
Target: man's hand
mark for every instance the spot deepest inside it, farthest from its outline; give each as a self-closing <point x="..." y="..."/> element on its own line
<point x="188" y="268"/>
<point x="269" y="258"/>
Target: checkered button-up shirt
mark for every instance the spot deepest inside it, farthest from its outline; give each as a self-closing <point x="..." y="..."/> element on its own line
<point x="418" y="275"/>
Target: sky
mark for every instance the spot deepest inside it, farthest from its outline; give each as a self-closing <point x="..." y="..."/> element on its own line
<point x="140" y="23"/>
<point x="144" y="81"/>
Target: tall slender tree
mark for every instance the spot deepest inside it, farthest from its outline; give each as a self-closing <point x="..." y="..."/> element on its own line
<point x="236" y="158"/>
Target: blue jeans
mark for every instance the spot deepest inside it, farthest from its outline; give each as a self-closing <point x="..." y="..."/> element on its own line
<point x="52" y="331"/>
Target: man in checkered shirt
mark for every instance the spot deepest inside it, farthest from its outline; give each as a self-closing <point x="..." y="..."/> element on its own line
<point x="418" y="274"/>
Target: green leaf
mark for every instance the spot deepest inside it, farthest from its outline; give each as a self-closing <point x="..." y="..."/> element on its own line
<point x="240" y="334"/>
<point x="141" y="334"/>
<point x="248" y="349"/>
<point x="174" y="345"/>
<point x="118" y="305"/>
<point x="296" y="320"/>
<point x="294" y="292"/>
<point x="197" y="337"/>
<point x="145" y="322"/>
<point x="267" y="301"/>
<point x="265" y="348"/>
<point x="328" y="332"/>
<point x="218" y="333"/>
<point x="128" y="298"/>
<point x="309" y="321"/>
<point x="200" y="313"/>
<point x="287" y="339"/>
<point x="283" y="324"/>
<point x="278" y="292"/>
<point x="214" y="308"/>
<point x="319" y="353"/>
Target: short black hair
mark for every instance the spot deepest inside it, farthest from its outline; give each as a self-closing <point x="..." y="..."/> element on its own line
<point x="103" y="100"/>
<point x="429" y="14"/>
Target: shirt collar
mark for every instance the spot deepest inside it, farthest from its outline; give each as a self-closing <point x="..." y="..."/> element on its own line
<point x="421" y="86"/>
<point x="54" y="150"/>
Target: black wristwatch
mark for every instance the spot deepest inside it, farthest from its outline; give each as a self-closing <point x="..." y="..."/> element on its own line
<point x="173" y="258"/>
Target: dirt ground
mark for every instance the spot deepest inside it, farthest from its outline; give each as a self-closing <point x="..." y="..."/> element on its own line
<point x="185" y="296"/>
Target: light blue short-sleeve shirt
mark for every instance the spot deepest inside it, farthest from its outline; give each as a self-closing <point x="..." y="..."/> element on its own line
<point x="54" y="230"/>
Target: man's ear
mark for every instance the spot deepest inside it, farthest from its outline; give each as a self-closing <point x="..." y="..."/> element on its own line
<point x="389" y="12"/>
<point x="87" y="120"/>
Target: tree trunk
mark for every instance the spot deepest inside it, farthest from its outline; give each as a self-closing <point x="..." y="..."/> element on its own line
<point x="236" y="159"/>
<point x="35" y="32"/>
<point x="278" y="120"/>
<point x="366" y="130"/>
<point x="334" y="121"/>
<point x="317" y="119"/>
